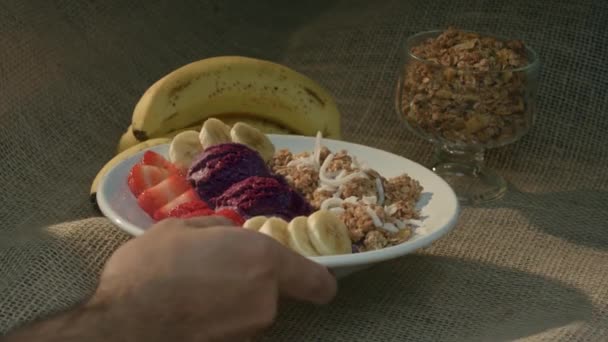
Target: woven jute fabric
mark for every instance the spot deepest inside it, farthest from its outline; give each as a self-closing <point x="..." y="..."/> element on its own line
<point x="532" y="266"/>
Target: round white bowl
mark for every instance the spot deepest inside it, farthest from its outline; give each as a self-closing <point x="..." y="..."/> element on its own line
<point x="439" y="205"/>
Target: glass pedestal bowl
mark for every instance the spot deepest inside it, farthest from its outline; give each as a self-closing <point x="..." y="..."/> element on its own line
<point x="466" y="110"/>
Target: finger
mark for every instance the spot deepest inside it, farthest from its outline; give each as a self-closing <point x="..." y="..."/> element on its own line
<point x="208" y="221"/>
<point x="302" y="279"/>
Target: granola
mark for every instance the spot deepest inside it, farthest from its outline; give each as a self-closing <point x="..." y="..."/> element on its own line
<point x="341" y="161"/>
<point x="465" y="88"/>
<point x="318" y="196"/>
<point x="280" y="159"/>
<point x="375" y="240"/>
<point x="303" y="179"/>
<point x="402" y="186"/>
<point x="359" y="187"/>
<point x="376" y="211"/>
<point x="358" y="222"/>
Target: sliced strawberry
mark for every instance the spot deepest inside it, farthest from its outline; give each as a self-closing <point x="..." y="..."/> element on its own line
<point x="162" y="193"/>
<point x="199" y="212"/>
<point x="187" y="208"/>
<point x="187" y="197"/>
<point x="230" y="214"/>
<point x="143" y="177"/>
<point x="153" y="158"/>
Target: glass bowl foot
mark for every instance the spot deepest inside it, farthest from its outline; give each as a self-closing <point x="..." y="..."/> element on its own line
<point x="472" y="182"/>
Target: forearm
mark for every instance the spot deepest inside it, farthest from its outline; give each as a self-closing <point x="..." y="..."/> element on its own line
<point x="89" y="322"/>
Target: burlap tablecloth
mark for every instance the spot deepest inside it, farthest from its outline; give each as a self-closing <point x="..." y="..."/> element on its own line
<point x="532" y="266"/>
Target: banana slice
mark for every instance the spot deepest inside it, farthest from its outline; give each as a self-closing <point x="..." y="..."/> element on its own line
<point x="214" y="132"/>
<point x="255" y="223"/>
<point x="328" y="234"/>
<point x="276" y="228"/>
<point x="264" y="126"/>
<point x="184" y="148"/>
<point x="247" y="135"/>
<point x="297" y="237"/>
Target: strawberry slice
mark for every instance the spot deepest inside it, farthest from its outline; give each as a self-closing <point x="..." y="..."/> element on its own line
<point x="199" y="212"/>
<point x="231" y="215"/>
<point x="187" y="197"/>
<point x="187" y="208"/>
<point x="155" y="159"/>
<point x="142" y="177"/>
<point x="162" y="193"/>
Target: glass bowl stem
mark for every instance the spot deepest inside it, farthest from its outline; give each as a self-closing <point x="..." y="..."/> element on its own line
<point x="464" y="169"/>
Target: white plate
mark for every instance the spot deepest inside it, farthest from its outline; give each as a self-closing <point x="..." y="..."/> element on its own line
<point x="439" y="205"/>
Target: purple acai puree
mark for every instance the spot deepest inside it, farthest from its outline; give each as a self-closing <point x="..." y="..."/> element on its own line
<point x="221" y="166"/>
<point x="268" y="196"/>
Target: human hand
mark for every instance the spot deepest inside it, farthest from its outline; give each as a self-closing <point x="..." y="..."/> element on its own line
<point x="199" y="279"/>
<point x="181" y="282"/>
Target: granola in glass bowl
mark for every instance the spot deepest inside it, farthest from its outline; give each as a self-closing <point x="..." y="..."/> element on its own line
<point x="467" y="92"/>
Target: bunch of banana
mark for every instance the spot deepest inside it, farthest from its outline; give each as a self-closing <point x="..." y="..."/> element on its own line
<point x="321" y="233"/>
<point x="234" y="86"/>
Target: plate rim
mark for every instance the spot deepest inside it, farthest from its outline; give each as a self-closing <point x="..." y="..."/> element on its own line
<point x="332" y="261"/>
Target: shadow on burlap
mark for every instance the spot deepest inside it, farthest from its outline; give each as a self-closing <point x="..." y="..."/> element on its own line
<point x="417" y="311"/>
<point x="531" y="266"/>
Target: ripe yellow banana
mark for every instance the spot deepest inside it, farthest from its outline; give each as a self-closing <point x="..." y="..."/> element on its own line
<point x="127" y="140"/>
<point x="233" y="85"/>
<point x="120" y="157"/>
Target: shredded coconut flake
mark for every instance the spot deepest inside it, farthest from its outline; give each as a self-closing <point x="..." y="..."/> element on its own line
<point x="400" y="224"/>
<point x="369" y="199"/>
<point x="374" y="216"/>
<point x="351" y="199"/>
<point x="325" y="187"/>
<point x="390" y="210"/>
<point x="331" y="202"/>
<point x="390" y="227"/>
<point x="413" y="222"/>
<point x="332" y="175"/>
<point x="380" y="189"/>
<point x="304" y="161"/>
<point x="325" y="179"/>
<point x="337" y="210"/>
<point x="316" y="156"/>
<point x="338" y="192"/>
